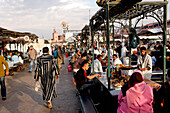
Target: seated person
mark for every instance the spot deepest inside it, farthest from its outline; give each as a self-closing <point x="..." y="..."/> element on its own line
<point x="16" y="61"/>
<point x="97" y="64"/>
<point x="20" y="58"/>
<point x="9" y="56"/>
<point x="82" y="79"/>
<point x="136" y="97"/>
<point x="76" y="56"/>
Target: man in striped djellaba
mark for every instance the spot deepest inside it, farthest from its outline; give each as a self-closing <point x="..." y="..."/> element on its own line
<point x="48" y="71"/>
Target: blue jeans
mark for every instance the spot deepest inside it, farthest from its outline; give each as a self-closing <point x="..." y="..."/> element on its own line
<point x="3" y="87"/>
<point x="31" y="64"/>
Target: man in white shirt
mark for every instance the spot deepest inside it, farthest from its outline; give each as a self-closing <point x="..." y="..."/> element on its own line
<point x="116" y="60"/>
<point x="96" y="51"/>
<point x="97" y="64"/>
<point x="124" y="51"/>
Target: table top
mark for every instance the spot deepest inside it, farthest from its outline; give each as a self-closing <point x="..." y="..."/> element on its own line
<point x="116" y="90"/>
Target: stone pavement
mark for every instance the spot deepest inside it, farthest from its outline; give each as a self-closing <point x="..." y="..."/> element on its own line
<point x="22" y="98"/>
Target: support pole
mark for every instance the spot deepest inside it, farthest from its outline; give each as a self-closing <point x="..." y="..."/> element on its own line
<point x="92" y="37"/>
<point x="130" y="24"/>
<point x="113" y="38"/>
<point x="164" y="41"/>
<point x="108" y="43"/>
<point x="98" y="39"/>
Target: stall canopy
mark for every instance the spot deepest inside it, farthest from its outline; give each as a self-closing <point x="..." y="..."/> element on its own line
<point x="6" y="35"/>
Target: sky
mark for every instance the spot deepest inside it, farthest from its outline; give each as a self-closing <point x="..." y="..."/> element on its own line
<point x="42" y="16"/>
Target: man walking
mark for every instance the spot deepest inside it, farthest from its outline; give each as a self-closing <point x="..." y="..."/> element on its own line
<point x="33" y="56"/>
<point x="47" y="70"/>
<point x="2" y="76"/>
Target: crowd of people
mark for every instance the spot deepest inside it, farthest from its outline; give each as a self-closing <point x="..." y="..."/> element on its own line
<point x="134" y="97"/>
<point x="138" y="96"/>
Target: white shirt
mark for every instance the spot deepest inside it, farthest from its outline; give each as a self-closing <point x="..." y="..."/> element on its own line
<point x="123" y="51"/>
<point x="104" y="55"/>
<point x="96" y="52"/>
<point x="20" y="60"/>
<point x="97" y="66"/>
<point x="117" y="61"/>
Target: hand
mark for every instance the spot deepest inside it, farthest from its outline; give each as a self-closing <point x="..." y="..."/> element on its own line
<point x="36" y="80"/>
<point x="7" y="73"/>
<point x="57" y="76"/>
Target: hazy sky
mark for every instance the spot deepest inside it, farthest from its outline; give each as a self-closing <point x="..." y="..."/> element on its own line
<point x="42" y="16"/>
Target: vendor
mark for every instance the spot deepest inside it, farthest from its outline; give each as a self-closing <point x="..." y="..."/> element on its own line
<point x="116" y="60"/>
<point x="144" y="63"/>
<point x="137" y="98"/>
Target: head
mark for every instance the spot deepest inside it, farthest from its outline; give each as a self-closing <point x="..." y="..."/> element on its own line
<point x="85" y="65"/>
<point x="99" y="57"/>
<point x="136" y="77"/>
<point x="10" y="53"/>
<point x="45" y="50"/>
<point x="31" y="47"/>
<point x="126" y="45"/>
<point x="114" y="57"/>
<point x="143" y="50"/>
<point x="18" y="54"/>
<point x="102" y="53"/>
<point x="84" y="56"/>
<point x="134" y="52"/>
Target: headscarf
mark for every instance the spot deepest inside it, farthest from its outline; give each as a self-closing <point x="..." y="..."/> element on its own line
<point x="136" y="91"/>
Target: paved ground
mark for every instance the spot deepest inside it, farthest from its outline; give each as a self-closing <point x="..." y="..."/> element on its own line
<point x="22" y="98"/>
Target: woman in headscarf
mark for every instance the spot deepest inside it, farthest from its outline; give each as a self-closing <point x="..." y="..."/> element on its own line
<point x="138" y="98"/>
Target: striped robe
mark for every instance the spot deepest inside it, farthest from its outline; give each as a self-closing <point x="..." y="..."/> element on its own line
<point x="47" y="70"/>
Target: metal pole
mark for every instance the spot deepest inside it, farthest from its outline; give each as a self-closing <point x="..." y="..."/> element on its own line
<point x="130" y="24"/>
<point x="113" y="38"/>
<point x="108" y="43"/>
<point x="20" y="46"/>
<point x="98" y="40"/>
<point x="164" y="41"/>
<point x="92" y="37"/>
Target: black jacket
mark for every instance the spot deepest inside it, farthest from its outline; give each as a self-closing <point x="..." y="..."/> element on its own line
<point x="80" y="78"/>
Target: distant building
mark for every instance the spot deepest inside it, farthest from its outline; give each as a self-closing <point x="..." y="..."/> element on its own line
<point x="57" y="38"/>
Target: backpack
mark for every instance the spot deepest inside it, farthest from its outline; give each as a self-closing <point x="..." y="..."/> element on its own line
<point x="55" y="53"/>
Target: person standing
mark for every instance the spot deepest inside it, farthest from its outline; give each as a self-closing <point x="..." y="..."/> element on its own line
<point x="124" y="51"/>
<point x="47" y="70"/>
<point x="59" y="57"/>
<point x="145" y="63"/>
<point x="33" y="56"/>
<point x="2" y="76"/>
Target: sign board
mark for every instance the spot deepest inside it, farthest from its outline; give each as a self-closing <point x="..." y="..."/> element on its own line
<point x="64" y="25"/>
<point x="26" y="38"/>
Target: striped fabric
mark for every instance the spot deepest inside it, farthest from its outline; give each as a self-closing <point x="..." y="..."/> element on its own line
<point x="47" y="70"/>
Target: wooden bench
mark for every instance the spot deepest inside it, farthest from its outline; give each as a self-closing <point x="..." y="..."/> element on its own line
<point x="87" y="105"/>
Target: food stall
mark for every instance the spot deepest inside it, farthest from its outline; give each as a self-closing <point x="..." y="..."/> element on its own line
<point x="109" y="84"/>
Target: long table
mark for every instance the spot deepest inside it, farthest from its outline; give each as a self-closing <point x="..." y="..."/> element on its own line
<point x="114" y="91"/>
